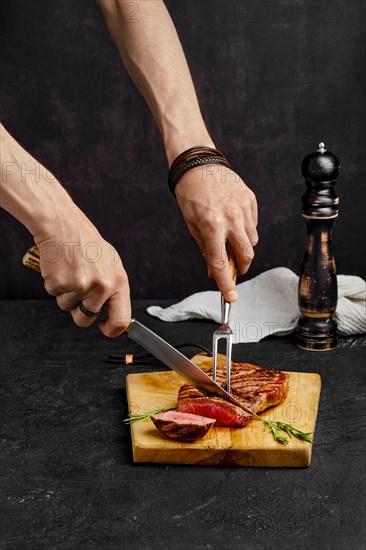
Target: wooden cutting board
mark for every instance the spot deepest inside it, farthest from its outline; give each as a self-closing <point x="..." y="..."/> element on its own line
<point x="249" y="446"/>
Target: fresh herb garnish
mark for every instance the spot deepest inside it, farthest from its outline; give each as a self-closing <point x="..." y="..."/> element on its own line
<point x="275" y="426"/>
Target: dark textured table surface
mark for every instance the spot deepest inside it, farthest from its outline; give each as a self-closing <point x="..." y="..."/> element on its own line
<point x="67" y="477"/>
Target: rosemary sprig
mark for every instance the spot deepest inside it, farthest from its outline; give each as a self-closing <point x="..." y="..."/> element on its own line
<point x="291" y="430"/>
<point x="275" y="426"/>
<point x="136" y="417"/>
<point x="272" y="425"/>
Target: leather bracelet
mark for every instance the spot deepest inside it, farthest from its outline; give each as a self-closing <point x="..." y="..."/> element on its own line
<point x="194" y="151"/>
<point x="191" y="158"/>
<point x="192" y="164"/>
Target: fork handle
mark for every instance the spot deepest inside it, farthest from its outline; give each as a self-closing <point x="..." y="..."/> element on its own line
<point x="232" y="264"/>
<point x="225" y="306"/>
<point x="225" y="311"/>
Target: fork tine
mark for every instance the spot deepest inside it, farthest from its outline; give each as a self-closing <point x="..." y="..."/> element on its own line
<point x="224" y="332"/>
<point x="229" y="343"/>
<point x="214" y="350"/>
<point x="228" y="337"/>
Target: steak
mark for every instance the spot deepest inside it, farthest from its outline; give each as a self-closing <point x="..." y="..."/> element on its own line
<point x="191" y="400"/>
<point x="258" y="388"/>
<point x="255" y="387"/>
<point x="181" y="426"/>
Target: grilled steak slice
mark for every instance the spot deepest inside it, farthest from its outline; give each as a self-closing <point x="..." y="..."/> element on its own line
<point x="191" y="400"/>
<point x="181" y="426"/>
<point x="256" y="387"/>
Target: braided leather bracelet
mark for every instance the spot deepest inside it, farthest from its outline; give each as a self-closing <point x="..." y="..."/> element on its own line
<point x="194" y="156"/>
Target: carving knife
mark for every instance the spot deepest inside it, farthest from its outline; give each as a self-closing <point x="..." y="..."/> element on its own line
<point x="178" y="362"/>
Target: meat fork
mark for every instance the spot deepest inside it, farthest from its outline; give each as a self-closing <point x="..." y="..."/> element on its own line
<point x="224" y="332"/>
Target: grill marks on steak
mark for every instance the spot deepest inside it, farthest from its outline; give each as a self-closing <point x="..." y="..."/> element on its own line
<point x="256" y="387"/>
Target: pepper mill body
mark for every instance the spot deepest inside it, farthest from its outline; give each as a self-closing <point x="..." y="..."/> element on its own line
<point x="318" y="292"/>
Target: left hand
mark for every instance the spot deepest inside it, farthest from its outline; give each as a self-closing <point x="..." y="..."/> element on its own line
<point x="219" y="208"/>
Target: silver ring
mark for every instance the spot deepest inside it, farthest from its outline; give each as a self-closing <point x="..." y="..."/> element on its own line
<point x="88" y="312"/>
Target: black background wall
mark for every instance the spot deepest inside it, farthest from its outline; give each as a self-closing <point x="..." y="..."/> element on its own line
<point x="273" y="78"/>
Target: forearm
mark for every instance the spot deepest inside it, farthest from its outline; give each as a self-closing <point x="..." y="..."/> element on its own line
<point x="151" y="51"/>
<point x="28" y="191"/>
<point x="216" y="214"/>
<point x="33" y="195"/>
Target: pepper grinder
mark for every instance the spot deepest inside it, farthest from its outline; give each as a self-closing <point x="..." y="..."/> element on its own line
<point x="318" y="291"/>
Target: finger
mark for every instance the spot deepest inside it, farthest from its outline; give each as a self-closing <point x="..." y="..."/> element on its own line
<point x="92" y="302"/>
<point x="249" y="216"/>
<point x="246" y="257"/>
<point x="242" y="251"/>
<point x="250" y="229"/>
<point x="52" y="288"/>
<point x="119" y="314"/>
<point x="219" y="267"/>
<point x="196" y="234"/>
<point x="254" y="209"/>
<point x="249" y="235"/>
<point x="68" y="300"/>
<point x="56" y="287"/>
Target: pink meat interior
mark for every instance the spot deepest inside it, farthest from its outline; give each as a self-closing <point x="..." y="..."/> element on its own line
<point x="183" y="418"/>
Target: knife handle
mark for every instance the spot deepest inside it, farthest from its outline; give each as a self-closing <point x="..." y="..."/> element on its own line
<point x="31" y="258"/>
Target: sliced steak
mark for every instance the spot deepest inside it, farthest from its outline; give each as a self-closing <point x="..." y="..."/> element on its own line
<point x="256" y="387"/>
<point x="191" y="400"/>
<point x="181" y="426"/>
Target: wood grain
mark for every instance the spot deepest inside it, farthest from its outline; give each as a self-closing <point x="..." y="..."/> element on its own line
<point x="250" y="446"/>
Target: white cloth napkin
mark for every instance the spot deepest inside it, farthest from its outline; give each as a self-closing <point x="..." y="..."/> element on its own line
<point x="267" y="305"/>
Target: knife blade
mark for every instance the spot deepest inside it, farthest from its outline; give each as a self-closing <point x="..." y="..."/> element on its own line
<point x="178" y="362"/>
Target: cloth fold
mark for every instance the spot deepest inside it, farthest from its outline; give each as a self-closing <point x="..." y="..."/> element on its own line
<point x="268" y="305"/>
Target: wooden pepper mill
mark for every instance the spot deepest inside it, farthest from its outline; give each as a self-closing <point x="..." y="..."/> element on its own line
<point x="318" y="291"/>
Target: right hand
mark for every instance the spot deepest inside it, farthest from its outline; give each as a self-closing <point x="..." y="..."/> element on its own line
<point x="219" y="212"/>
<point x="77" y="264"/>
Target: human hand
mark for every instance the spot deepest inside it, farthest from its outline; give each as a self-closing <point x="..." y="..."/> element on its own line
<point x="77" y="264"/>
<point x="220" y="209"/>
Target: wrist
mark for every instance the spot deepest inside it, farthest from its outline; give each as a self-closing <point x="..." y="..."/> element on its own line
<point x="50" y="211"/>
<point x="192" y="158"/>
<point x="177" y="141"/>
